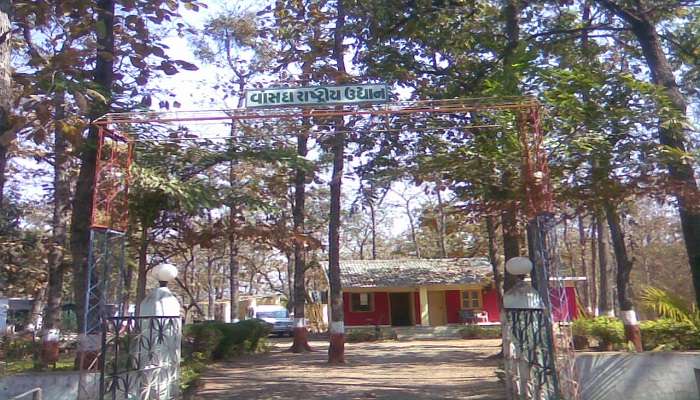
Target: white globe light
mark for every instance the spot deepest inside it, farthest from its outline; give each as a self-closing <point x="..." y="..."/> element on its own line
<point x="519" y="266"/>
<point x="165" y="272"/>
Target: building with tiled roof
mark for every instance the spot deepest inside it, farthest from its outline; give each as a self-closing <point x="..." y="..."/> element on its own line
<point x="432" y="292"/>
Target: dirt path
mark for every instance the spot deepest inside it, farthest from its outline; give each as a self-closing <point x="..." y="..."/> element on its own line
<point x="435" y="369"/>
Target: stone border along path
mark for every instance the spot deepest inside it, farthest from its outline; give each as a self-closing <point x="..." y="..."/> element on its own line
<point x="410" y="370"/>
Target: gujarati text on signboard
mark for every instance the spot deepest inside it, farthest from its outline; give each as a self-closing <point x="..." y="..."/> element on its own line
<point x="315" y="96"/>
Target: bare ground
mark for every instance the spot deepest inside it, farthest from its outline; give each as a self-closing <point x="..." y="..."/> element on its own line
<point x="411" y="370"/>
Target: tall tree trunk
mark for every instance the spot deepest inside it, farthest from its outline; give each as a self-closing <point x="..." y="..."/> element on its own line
<point x="211" y="289"/>
<point x="233" y="263"/>
<point x="624" y="268"/>
<point x="493" y="255"/>
<point x="373" y="219"/>
<point x="511" y="243"/>
<point x="509" y="217"/>
<point x="594" y="273"/>
<point x="289" y="255"/>
<point x="142" y="272"/>
<point x="336" y="350"/>
<point x="300" y="343"/>
<point x="604" y="303"/>
<point x="103" y="77"/>
<point x="412" y="225"/>
<point x="569" y="249"/>
<point x="59" y="219"/>
<point x="6" y="89"/>
<point x="671" y="134"/>
<point x="442" y="224"/>
<point x="36" y="319"/>
<point x="3" y="159"/>
<point x="584" y="265"/>
<point x="234" y="269"/>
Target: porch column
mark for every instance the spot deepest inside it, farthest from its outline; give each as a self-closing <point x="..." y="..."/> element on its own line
<point x="424" y="314"/>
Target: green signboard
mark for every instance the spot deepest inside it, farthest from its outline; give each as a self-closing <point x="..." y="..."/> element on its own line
<point x="316" y="96"/>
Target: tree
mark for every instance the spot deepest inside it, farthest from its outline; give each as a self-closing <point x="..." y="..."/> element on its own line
<point x="406" y="199"/>
<point x="301" y="343"/>
<point x="336" y="350"/>
<point x="103" y="75"/>
<point x="5" y="87"/>
<point x="642" y="18"/>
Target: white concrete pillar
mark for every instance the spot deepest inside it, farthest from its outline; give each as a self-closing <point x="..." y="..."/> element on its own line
<point x="4" y="308"/>
<point x="424" y="313"/>
<point x="161" y="302"/>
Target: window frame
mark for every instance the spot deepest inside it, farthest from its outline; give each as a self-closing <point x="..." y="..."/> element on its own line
<point x="370" y="301"/>
<point x="470" y="298"/>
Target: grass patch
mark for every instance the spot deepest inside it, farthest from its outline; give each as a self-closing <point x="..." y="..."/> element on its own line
<point x="9" y="367"/>
<point x="480" y="332"/>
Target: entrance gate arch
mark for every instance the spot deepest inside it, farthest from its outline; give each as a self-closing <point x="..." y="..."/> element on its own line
<point x="107" y="281"/>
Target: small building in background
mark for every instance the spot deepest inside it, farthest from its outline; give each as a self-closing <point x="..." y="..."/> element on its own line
<point x="428" y="292"/>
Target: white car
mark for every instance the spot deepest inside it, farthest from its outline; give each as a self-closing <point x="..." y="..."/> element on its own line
<point x="277" y="317"/>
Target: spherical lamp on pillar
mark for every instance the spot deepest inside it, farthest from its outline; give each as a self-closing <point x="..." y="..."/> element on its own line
<point x="522" y="296"/>
<point x="519" y="266"/>
<point x="165" y="273"/>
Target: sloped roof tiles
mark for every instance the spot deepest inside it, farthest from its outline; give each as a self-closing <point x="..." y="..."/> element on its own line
<point x="414" y="272"/>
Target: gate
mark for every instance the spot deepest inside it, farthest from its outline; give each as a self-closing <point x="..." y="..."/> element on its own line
<point x="140" y="358"/>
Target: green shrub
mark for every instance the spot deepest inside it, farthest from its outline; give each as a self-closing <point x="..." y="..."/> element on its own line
<point x="609" y="331"/>
<point x="202" y="339"/>
<point x="668" y="334"/>
<point x="218" y="340"/>
<point x="18" y="348"/>
<point x="360" y="335"/>
<point x="581" y="327"/>
<point x="480" y="332"/>
<point x="191" y="368"/>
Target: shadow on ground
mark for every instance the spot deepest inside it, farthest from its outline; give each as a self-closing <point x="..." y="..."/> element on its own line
<point x="448" y="369"/>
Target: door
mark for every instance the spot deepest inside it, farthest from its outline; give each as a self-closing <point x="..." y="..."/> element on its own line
<point x="436" y="308"/>
<point x="400" y="309"/>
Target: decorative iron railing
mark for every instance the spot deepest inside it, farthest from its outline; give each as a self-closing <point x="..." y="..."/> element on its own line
<point x="140" y="358"/>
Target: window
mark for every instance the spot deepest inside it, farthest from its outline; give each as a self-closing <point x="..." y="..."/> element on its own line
<point x="361" y="302"/>
<point x="471" y="299"/>
<point x="272" y="314"/>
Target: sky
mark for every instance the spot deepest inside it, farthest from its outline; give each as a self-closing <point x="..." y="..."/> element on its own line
<point x="193" y="91"/>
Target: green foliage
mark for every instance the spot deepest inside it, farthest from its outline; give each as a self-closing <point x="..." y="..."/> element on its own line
<point x="218" y="340"/>
<point x="668" y="334"/>
<point x="17" y="348"/>
<point x="209" y="341"/>
<point x="608" y="330"/>
<point x="190" y="369"/>
<point x="670" y="306"/>
<point x="18" y="355"/>
<point x="22" y="257"/>
<point x="480" y="332"/>
<point x="581" y="327"/>
<point x="360" y="335"/>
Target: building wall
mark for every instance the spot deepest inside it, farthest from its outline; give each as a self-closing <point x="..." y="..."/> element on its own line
<point x="491" y="304"/>
<point x="379" y="316"/>
<point x="416" y="308"/>
<point x="452" y="301"/>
